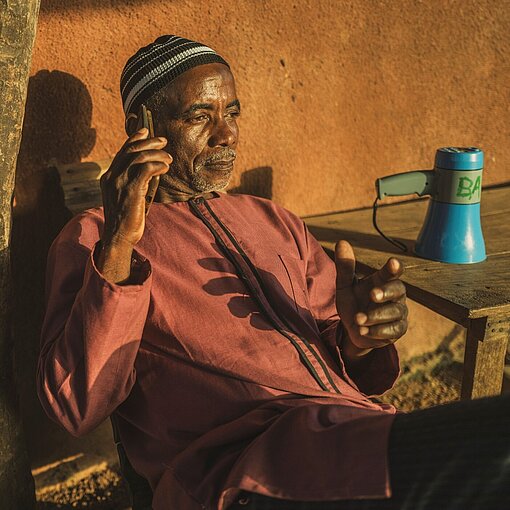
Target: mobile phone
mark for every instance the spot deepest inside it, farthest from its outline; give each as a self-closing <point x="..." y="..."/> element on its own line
<point x="145" y="120"/>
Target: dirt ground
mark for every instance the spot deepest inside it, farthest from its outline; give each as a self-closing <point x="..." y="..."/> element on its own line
<point x="426" y="380"/>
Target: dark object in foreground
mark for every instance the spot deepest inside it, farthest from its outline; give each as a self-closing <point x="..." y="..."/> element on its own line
<point x="451" y="456"/>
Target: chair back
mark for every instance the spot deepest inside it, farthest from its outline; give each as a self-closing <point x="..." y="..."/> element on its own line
<point x="141" y="492"/>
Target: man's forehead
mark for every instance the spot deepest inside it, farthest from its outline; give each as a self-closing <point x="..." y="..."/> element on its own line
<point x="202" y="84"/>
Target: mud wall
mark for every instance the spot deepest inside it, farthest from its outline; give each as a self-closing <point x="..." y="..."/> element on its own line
<point x="334" y="94"/>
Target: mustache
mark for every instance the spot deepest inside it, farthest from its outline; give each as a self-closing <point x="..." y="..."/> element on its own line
<point x="223" y="155"/>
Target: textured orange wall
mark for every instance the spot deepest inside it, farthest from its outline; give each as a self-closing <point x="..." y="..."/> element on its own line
<point x="334" y="93"/>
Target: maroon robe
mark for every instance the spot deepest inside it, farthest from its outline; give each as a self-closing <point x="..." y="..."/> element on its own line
<point x="220" y="358"/>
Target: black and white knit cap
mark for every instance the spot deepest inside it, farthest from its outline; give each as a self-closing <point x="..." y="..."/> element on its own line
<point x="156" y="65"/>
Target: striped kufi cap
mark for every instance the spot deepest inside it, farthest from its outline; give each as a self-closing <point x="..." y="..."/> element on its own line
<point x="159" y="63"/>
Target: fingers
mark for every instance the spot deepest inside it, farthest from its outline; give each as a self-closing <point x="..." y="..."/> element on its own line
<point x="141" y="134"/>
<point x="140" y="143"/>
<point x="141" y="175"/>
<point x="140" y="158"/>
<point x="144" y="166"/>
<point x="137" y="136"/>
<point x="385" y="317"/>
<point x="345" y="264"/>
<point x="151" y="155"/>
<point x="384" y="314"/>
<point x="391" y="331"/>
<point x="132" y="150"/>
<point x="392" y="270"/>
<point x="393" y="290"/>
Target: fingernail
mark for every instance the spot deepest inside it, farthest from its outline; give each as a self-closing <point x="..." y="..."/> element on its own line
<point x="143" y="130"/>
<point x="378" y="294"/>
<point x="363" y="330"/>
<point x="161" y="138"/>
<point x="361" y="318"/>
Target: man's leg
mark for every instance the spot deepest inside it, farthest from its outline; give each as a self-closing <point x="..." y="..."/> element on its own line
<point x="454" y="456"/>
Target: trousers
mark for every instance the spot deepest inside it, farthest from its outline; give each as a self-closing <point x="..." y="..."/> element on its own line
<point x="454" y="456"/>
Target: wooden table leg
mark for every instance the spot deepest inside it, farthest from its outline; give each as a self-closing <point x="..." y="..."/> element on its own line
<point x="484" y="358"/>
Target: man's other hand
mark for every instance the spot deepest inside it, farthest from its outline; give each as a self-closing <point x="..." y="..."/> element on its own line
<point x="373" y="310"/>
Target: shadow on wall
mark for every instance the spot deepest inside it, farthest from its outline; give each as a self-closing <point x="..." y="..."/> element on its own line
<point x="57" y="121"/>
<point x="257" y="181"/>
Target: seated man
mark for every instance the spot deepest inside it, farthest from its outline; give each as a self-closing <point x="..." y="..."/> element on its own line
<point x="210" y="326"/>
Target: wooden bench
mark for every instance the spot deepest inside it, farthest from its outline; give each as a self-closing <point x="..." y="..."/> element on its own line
<point x="80" y="184"/>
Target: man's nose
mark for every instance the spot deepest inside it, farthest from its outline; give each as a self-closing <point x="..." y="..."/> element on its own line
<point x="223" y="134"/>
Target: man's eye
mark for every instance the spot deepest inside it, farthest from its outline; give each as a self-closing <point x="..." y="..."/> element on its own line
<point x="234" y="114"/>
<point x="199" y="118"/>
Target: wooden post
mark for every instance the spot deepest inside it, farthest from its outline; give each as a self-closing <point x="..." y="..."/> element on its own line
<point x="18" y="20"/>
<point x="484" y="357"/>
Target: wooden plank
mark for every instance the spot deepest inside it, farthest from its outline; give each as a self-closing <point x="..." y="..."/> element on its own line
<point x="484" y="359"/>
<point x="80" y="184"/>
<point x="477" y="289"/>
<point x="82" y="195"/>
<point x="82" y="172"/>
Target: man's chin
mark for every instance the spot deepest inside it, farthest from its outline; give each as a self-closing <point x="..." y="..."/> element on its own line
<point x="219" y="183"/>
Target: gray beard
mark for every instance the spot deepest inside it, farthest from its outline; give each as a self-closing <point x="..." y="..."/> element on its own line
<point x="199" y="183"/>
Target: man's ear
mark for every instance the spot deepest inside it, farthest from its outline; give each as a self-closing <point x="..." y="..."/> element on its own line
<point x="131" y="123"/>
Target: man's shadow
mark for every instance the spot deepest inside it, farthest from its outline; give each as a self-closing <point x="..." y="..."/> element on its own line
<point x="257" y="181"/>
<point x="56" y="127"/>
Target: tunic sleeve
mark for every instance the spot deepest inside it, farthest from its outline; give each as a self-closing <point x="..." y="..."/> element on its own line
<point x="90" y="337"/>
<point x="381" y="367"/>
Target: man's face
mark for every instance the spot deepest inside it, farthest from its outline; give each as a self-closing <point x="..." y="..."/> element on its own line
<point x="200" y="122"/>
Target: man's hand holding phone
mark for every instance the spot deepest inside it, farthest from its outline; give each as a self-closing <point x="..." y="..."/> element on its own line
<point x="124" y="188"/>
